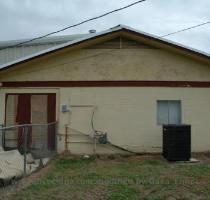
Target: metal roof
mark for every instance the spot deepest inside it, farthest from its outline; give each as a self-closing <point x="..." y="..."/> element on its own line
<point x="111" y="30"/>
<point x="42" y="41"/>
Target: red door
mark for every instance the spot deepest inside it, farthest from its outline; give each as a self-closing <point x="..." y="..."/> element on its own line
<point x="23" y="117"/>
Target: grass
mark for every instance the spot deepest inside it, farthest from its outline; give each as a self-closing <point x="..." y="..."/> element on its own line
<point x="136" y="177"/>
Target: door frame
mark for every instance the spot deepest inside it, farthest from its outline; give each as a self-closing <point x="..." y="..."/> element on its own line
<point x="50" y="117"/>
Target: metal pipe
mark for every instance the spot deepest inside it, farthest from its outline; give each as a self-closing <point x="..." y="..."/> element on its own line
<point x="28" y="125"/>
<point x="66" y="138"/>
<point x="82" y="106"/>
<point x="81" y="133"/>
<point x="94" y="148"/>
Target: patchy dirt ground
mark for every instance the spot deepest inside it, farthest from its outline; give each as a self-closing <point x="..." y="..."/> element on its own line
<point x="148" y="177"/>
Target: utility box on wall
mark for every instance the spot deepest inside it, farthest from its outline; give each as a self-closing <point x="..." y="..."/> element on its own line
<point x="177" y="142"/>
<point x="64" y="108"/>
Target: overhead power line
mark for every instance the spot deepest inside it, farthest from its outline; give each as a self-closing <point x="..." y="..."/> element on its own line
<point x="185" y="29"/>
<point x="71" y="26"/>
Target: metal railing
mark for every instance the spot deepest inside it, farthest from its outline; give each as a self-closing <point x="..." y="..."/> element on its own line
<point x="39" y="140"/>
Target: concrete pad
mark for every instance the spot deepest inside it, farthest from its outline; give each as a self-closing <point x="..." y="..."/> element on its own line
<point x="194" y="160"/>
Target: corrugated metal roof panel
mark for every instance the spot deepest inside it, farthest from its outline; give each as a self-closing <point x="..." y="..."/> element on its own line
<point x="47" y="40"/>
<point x="11" y="54"/>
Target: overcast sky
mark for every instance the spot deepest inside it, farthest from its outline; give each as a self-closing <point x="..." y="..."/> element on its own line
<point x="31" y="18"/>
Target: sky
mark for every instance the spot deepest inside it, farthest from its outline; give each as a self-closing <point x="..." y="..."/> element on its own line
<point x="32" y="18"/>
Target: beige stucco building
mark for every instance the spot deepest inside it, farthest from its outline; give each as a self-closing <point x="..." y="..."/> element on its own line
<point x="121" y="82"/>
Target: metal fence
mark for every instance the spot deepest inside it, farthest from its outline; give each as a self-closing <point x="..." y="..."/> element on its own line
<point x="39" y="140"/>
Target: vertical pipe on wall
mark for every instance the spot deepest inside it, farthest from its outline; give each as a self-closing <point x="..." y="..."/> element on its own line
<point x="66" y="138"/>
<point x="94" y="147"/>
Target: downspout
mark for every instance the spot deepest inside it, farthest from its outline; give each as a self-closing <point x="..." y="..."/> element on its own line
<point x="66" y="139"/>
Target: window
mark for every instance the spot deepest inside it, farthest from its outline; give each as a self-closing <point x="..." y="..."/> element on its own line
<point x="168" y="112"/>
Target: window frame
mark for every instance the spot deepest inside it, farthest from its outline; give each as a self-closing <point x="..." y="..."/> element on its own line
<point x="168" y="102"/>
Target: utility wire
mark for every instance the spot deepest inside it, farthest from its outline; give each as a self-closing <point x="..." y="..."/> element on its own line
<point x="71" y="26"/>
<point x="185" y="29"/>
